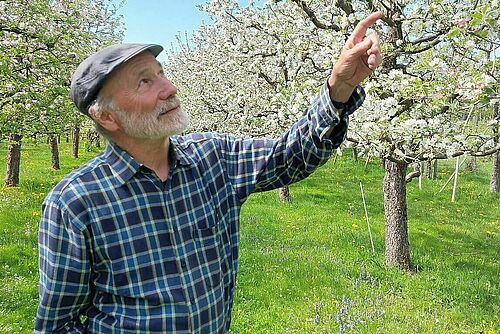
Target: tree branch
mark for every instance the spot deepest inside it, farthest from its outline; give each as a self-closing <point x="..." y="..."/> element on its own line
<point x="412" y="175"/>
<point x="345" y="6"/>
<point x="424" y="48"/>
<point x="313" y="17"/>
<point x="268" y="80"/>
<point x="17" y="31"/>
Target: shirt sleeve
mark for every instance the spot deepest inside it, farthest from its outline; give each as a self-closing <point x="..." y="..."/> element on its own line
<point x="64" y="267"/>
<point x="265" y="164"/>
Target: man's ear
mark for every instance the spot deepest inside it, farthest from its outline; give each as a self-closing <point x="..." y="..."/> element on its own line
<point x="105" y="119"/>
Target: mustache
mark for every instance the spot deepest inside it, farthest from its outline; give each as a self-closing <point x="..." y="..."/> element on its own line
<point x="169" y="104"/>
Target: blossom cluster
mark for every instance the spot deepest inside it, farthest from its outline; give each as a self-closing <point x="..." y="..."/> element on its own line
<point x="254" y="69"/>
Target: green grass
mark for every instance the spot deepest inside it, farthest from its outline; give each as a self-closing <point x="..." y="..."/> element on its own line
<point x="307" y="266"/>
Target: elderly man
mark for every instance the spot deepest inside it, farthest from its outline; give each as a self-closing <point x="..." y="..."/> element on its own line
<point x="144" y="237"/>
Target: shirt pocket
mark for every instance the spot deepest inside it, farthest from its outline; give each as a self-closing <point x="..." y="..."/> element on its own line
<point x="208" y="248"/>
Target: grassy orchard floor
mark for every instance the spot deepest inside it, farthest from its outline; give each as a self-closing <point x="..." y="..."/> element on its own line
<point x="307" y="267"/>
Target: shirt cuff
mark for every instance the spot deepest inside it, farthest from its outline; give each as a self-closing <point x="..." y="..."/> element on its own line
<point x="338" y="112"/>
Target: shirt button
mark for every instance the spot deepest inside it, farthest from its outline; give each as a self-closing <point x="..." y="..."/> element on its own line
<point x="183" y="264"/>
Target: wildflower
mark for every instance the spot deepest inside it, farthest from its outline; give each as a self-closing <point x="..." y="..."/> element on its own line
<point x="355" y="226"/>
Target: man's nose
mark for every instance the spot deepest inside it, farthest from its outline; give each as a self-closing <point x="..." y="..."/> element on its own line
<point x="167" y="89"/>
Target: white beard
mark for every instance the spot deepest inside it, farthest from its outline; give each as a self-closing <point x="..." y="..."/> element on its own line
<point x="153" y="125"/>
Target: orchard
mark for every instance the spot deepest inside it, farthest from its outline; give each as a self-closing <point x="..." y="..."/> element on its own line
<point x="42" y="43"/>
<point x="254" y="69"/>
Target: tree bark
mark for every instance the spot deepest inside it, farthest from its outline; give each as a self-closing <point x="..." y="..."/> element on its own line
<point x="76" y="141"/>
<point x="431" y="169"/>
<point x="94" y="138"/>
<point x="397" y="248"/>
<point x="284" y="194"/>
<point x="54" y="150"/>
<point x="495" y="173"/>
<point x="472" y="164"/>
<point x="13" y="161"/>
<point x="97" y="140"/>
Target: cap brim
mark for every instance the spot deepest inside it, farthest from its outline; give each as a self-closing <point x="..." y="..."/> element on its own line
<point x="153" y="48"/>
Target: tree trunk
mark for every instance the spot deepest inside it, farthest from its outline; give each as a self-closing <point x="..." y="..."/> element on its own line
<point x="13" y="161"/>
<point x="284" y="194"/>
<point x="472" y="164"/>
<point x="54" y="150"/>
<point x="76" y="141"/>
<point x="94" y="138"/>
<point x="354" y="153"/>
<point x="397" y="248"/>
<point x="495" y="173"/>
<point x="431" y="169"/>
<point x="97" y="140"/>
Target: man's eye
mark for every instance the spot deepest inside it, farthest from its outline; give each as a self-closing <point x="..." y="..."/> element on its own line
<point x="143" y="82"/>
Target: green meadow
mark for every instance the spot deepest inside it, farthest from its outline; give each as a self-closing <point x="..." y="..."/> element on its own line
<point x="308" y="266"/>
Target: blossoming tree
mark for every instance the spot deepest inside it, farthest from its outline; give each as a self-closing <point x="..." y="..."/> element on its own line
<point x="41" y="43"/>
<point x="254" y="69"/>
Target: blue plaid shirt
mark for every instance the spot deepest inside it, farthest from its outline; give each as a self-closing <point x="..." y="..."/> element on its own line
<point x="123" y="252"/>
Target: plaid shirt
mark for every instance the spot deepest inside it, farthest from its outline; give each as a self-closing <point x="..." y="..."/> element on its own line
<point x="123" y="252"/>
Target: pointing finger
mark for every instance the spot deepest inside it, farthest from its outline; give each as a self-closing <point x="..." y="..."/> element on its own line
<point x="363" y="25"/>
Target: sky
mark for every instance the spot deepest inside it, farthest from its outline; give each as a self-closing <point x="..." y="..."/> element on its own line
<point x="160" y="21"/>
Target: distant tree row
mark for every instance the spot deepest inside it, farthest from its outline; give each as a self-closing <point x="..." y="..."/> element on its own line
<point x="41" y="43"/>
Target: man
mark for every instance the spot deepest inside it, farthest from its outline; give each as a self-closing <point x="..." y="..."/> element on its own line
<point x="144" y="237"/>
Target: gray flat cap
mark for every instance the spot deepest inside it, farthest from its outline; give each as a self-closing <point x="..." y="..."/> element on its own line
<point x="93" y="71"/>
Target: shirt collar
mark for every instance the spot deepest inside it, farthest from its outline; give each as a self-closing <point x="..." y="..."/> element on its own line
<point x="124" y="166"/>
<point x="182" y="151"/>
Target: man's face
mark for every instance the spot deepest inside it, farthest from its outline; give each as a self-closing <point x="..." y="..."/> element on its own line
<point x="145" y="102"/>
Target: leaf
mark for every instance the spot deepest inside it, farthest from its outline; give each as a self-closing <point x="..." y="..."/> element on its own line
<point x="478" y="16"/>
<point x="485" y="8"/>
<point x="483" y="33"/>
<point x="453" y="32"/>
<point x="475" y="22"/>
<point x="490" y="91"/>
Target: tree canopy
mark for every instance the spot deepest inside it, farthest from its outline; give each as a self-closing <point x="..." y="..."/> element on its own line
<point x="255" y="68"/>
<point x="41" y="44"/>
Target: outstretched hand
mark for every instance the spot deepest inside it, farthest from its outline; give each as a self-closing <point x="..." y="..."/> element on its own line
<point x="358" y="59"/>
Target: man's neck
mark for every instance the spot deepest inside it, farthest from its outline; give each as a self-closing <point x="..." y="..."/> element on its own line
<point x="152" y="153"/>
